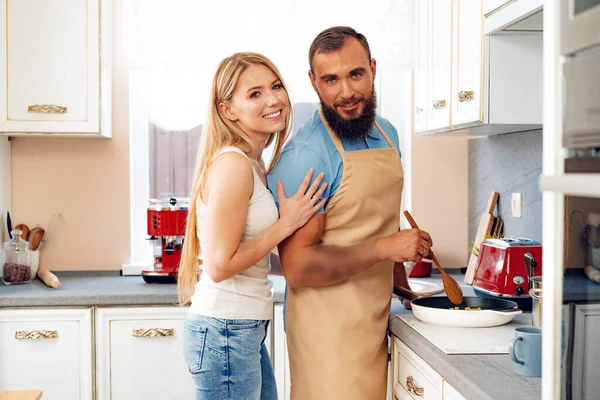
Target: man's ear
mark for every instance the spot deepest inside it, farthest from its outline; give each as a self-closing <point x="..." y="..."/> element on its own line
<point x="373" y="67"/>
<point x="227" y="112"/>
<point x="312" y="80"/>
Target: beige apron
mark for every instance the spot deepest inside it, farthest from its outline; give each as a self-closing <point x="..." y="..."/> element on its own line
<point x="337" y="335"/>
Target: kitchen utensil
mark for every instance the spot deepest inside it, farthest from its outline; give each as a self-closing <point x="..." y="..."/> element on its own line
<point x="48" y="278"/>
<point x="9" y="225"/>
<point x="453" y="291"/>
<point x="526" y="351"/>
<point x="35" y="237"/>
<point x="485" y="225"/>
<point x="55" y="220"/>
<point x="24" y="229"/>
<point x="505" y="267"/>
<point x="441" y="311"/>
<point x="536" y="308"/>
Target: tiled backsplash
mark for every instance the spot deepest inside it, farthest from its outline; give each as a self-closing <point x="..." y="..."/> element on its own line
<point x="507" y="164"/>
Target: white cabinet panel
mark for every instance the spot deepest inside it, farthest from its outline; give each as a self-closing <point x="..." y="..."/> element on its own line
<point x="439" y="67"/>
<point x="56" y="60"/>
<point x="467" y="84"/>
<point x="149" y="367"/>
<point x="586" y="352"/>
<point x="411" y="374"/>
<point x="48" y="350"/>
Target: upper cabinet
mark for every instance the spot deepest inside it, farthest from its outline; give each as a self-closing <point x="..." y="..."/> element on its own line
<point x="55" y="68"/>
<point x="469" y="83"/>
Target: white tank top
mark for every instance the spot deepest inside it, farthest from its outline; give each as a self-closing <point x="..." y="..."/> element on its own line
<point x="246" y="295"/>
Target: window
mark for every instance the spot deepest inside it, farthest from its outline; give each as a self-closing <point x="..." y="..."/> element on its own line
<point x="174" y="49"/>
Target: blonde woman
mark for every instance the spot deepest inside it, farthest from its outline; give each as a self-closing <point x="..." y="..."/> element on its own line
<point x="233" y="219"/>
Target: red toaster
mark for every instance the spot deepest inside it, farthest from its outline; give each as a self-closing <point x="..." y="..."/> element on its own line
<point x="504" y="268"/>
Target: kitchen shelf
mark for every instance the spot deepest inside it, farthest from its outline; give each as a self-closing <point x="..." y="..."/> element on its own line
<point x="583" y="185"/>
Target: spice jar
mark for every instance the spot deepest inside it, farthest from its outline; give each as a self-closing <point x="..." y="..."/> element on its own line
<point x="16" y="267"/>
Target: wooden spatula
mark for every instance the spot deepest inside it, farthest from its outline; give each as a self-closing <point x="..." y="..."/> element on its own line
<point x="451" y="287"/>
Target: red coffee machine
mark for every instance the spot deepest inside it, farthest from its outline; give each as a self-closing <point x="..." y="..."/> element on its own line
<point x="504" y="268"/>
<point x="166" y="227"/>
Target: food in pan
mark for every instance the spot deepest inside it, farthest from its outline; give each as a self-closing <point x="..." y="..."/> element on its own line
<point x="466" y="308"/>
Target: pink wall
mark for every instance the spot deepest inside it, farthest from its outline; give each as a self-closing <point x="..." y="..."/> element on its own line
<point x="440" y="195"/>
<point x="87" y="180"/>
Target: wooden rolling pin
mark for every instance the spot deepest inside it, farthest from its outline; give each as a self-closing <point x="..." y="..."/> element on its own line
<point x="48" y="278"/>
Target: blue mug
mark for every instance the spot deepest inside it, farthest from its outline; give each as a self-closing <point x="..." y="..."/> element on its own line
<point x="526" y="351"/>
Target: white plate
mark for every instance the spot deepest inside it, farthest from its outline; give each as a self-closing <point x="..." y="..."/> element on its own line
<point x="425" y="287"/>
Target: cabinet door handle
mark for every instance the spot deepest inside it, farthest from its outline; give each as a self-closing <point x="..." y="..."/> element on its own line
<point x="153" y="332"/>
<point x="36" y="334"/>
<point x="411" y="387"/>
<point x="439" y="104"/>
<point x="419" y="109"/>
<point x="466" y="95"/>
<point x="47" y="109"/>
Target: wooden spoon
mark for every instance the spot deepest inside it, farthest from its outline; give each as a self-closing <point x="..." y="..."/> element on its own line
<point x="451" y="287"/>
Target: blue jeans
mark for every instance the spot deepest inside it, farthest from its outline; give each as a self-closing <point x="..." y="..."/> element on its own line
<point x="228" y="359"/>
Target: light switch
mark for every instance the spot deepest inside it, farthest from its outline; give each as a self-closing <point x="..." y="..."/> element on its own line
<point x="516" y="205"/>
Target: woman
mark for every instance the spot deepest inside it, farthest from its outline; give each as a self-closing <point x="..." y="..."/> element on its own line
<point x="234" y="219"/>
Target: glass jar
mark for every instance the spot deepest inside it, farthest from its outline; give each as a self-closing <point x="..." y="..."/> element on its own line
<point x="16" y="266"/>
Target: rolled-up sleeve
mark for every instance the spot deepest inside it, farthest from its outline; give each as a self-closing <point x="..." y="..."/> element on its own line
<point x="292" y="166"/>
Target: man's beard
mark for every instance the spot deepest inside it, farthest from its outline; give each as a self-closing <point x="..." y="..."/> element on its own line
<point x="354" y="129"/>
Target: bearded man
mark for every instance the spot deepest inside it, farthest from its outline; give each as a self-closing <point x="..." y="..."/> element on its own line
<point x="341" y="266"/>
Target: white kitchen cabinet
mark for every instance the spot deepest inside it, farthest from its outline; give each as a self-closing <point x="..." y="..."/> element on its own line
<point x="139" y="354"/>
<point x="47" y="349"/>
<point x="439" y="48"/>
<point x="412" y="377"/>
<point x="470" y="84"/>
<point x="467" y="68"/>
<point x="450" y="393"/>
<point x="55" y="67"/>
<point x="586" y="353"/>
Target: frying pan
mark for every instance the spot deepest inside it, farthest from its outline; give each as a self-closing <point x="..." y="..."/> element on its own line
<point x="440" y="311"/>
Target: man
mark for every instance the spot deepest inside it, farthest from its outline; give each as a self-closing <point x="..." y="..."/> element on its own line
<point x="339" y="267"/>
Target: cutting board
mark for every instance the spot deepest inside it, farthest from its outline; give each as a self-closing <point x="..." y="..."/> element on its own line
<point x="450" y="340"/>
<point x="486" y="223"/>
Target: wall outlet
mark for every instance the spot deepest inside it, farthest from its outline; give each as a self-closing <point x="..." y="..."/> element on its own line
<point x="516" y="205"/>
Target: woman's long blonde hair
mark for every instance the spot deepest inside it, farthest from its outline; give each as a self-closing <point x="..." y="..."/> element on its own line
<point x="219" y="132"/>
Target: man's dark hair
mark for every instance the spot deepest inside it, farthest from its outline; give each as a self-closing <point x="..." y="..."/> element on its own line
<point x="332" y="39"/>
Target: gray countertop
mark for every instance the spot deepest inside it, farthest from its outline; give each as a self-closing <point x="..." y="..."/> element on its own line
<point x="475" y="376"/>
<point x="100" y="288"/>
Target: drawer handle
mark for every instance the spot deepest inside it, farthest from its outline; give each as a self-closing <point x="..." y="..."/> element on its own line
<point x="438" y="104"/>
<point x="36" y="335"/>
<point x="411" y="387"/>
<point x="47" y="109"/>
<point x="153" y="332"/>
<point x="466" y="95"/>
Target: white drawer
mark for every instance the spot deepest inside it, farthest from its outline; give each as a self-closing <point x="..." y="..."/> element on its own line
<point x="414" y="375"/>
